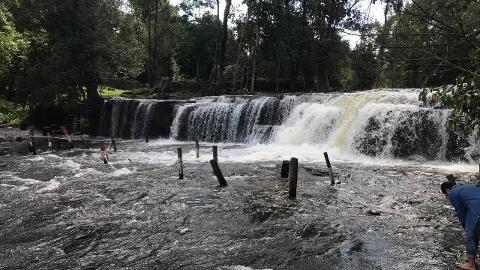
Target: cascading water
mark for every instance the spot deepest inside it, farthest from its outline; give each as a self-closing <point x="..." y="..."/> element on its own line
<point x="129" y="118"/>
<point x="379" y="123"/>
<point x="382" y="123"/>
<point x="230" y="119"/>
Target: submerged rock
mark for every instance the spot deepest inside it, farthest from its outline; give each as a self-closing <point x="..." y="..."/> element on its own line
<point x="371" y="212"/>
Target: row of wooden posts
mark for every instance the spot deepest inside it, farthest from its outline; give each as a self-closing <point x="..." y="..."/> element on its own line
<point x="289" y="169"/>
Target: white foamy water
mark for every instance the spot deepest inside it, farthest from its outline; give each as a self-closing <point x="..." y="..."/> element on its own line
<point x="71" y="164"/>
<point x="122" y="171"/>
<point x="51" y="185"/>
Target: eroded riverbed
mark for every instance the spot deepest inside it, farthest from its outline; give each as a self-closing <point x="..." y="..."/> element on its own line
<point x="67" y="210"/>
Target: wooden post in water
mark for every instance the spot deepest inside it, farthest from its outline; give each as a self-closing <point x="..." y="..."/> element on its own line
<point x="197" y="149"/>
<point x="65" y="133"/>
<point x="146" y="139"/>
<point x="114" y="145"/>
<point x="215" y="153"/>
<point x="329" y="166"/>
<point x="84" y="142"/>
<point x="285" y="169"/>
<point x="180" y="163"/>
<point x="292" y="192"/>
<point x="31" y="144"/>
<point x="49" y="137"/>
<point x="218" y="173"/>
<point x="103" y="152"/>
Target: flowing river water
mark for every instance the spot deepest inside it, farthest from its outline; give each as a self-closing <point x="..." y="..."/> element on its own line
<point x="68" y="210"/>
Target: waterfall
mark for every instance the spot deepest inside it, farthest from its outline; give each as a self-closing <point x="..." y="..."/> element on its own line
<point x="230" y="119"/>
<point x="384" y="123"/>
<point x="133" y="119"/>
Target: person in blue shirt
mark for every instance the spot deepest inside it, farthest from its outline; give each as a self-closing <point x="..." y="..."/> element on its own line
<point x="466" y="201"/>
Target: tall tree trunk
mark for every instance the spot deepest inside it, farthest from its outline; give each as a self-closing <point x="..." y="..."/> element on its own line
<point x="92" y="93"/>
<point x="197" y="73"/>
<point x="381" y="49"/>
<point x="277" y="75"/>
<point x="239" y="53"/>
<point x="293" y="76"/>
<point x="213" y="74"/>
<point x="223" y="46"/>
<point x="94" y="106"/>
<point x="317" y="79"/>
<point x="155" y="45"/>
<point x="254" y="64"/>
<point x="149" y="41"/>
<point x="241" y="79"/>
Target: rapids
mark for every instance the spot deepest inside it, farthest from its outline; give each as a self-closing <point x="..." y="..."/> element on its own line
<point x="66" y="209"/>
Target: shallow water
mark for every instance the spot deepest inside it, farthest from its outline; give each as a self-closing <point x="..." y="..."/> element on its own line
<point x="68" y="210"/>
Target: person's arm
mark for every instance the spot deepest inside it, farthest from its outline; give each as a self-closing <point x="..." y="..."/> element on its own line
<point x="459" y="208"/>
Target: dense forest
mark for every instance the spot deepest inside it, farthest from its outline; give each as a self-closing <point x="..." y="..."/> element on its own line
<point x="61" y="51"/>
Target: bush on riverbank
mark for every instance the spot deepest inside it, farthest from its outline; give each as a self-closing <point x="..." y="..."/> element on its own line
<point x="12" y="114"/>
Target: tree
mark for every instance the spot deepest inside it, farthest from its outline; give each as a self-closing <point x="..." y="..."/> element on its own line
<point x="299" y="40"/>
<point x="196" y="50"/>
<point x="13" y="45"/>
<point x="437" y="42"/>
<point x="223" y="44"/>
<point x="163" y="30"/>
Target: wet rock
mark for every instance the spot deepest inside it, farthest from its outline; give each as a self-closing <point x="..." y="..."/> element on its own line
<point x="261" y="215"/>
<point x="308" y="231"/>
<point x="356" y="246"/>
<point x="318" y="171"/>
<point x="183" y="231"/>
<point x="414" y="202"/>
<point x="19" y="139"/>
<point x="371" y="212"/>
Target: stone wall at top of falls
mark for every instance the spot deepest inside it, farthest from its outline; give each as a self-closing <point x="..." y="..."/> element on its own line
<point x="131" y="119"/>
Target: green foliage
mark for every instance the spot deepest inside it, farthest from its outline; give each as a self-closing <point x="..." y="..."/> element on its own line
<point x="106" y="91"/>
<point x="460" y="65"/>
<point x="299" y="39"/>
<point x="12" y="43"/>
<point x="11" y="113"/>
<point x="73" y="45"/>
<point x="138" y="92"/>
<point x="176" y="72"/>
<point x="363" y="67"/>
<point x="463" y="98"/>
<point x="58" y="51"/>
<point x="84" y="124"/>
<point x="429" y="43"/>
<point x="196" y="50"/>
